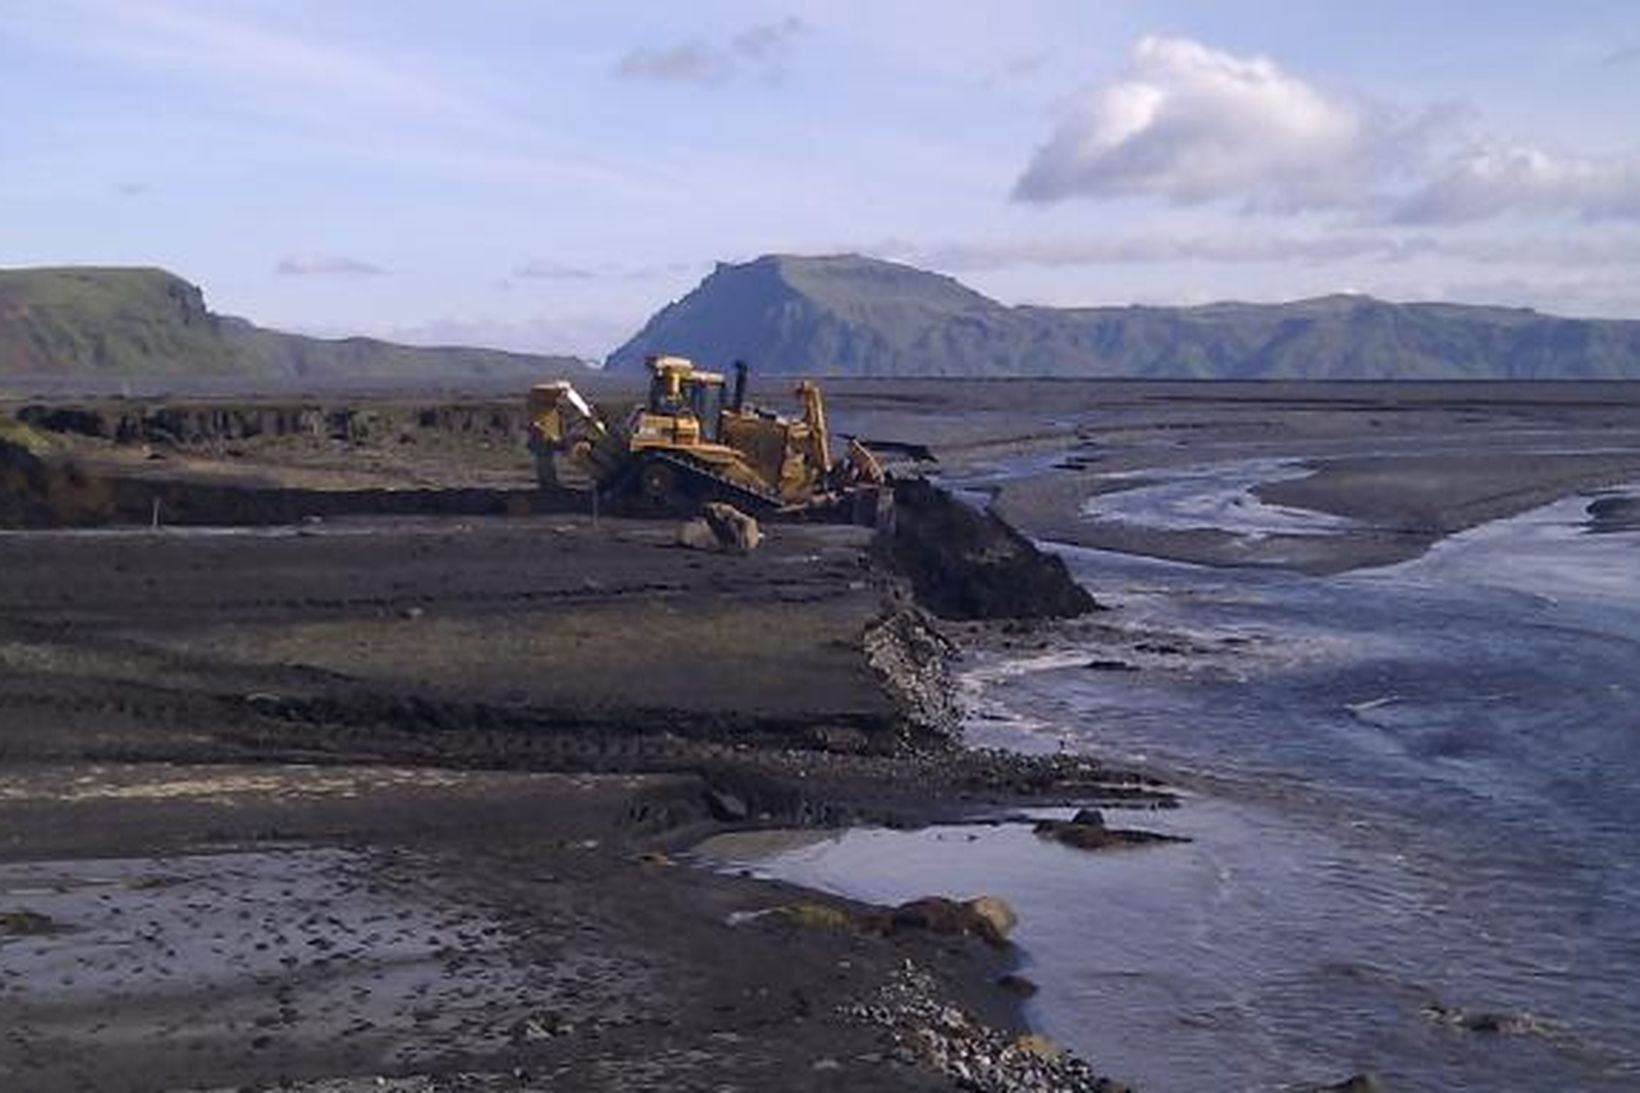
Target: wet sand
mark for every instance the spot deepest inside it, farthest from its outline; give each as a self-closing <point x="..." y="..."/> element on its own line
<point x="348" y="923"/>
<point x="403" y="798"/>
<point x="1406" y="464"/>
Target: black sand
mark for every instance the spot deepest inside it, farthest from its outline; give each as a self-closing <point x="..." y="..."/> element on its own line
<point x="443" y="767"/>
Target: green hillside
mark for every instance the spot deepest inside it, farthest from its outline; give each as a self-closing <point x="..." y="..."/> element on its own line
<point x="266" y="352"/>
<point x="118" y="322"/>
<point x="113" y="321"/>
<point x="848" y="315"/>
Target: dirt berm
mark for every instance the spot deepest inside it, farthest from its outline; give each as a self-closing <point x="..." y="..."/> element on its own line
<point x="966" y="564"/>
<point x="41" y="487"/>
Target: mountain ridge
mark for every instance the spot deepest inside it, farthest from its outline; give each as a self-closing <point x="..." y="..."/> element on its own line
<point x="141" y="321"/>
<point x="854" y="315"/>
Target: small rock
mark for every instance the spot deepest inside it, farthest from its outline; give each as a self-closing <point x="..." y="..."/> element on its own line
<point x="725" y="806"/>
<point x="152" y="881"/>
<point x="264" y="702"/>
<point x="1091" y="836"/>
<point x="1487" y="1023"/>
<point x="1039" y="1045"/>
<point x="413" y="612"/>
<point x="1017" y="985"/>
<point x="1089" y="817"/>
<point x="544" y="1027"/>
<point x="841" y="738"/>
<point x="25" y="923"/>
<point x="1356" y="1083"/>
<point x="816" y="916"/>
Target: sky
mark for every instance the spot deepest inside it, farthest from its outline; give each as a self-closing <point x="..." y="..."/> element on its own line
<point x="544" y="175"/>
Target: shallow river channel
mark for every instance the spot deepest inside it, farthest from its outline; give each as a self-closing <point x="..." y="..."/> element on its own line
<point x="1412" y="798"/>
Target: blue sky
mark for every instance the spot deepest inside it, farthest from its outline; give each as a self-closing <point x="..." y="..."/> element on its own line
<point x="545" y="175"/>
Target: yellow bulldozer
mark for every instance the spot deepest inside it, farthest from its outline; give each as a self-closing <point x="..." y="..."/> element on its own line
<point x="691" y="442"/>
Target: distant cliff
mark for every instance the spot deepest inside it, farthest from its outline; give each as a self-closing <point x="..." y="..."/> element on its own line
<point x="848" y="315"/>
<point x="89" y="321"/>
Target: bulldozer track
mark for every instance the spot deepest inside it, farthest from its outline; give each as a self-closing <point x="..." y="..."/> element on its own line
<point x="698" y="485"/>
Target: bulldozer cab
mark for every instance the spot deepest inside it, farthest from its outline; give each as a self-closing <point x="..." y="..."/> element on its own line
<point x="678" y="388"/>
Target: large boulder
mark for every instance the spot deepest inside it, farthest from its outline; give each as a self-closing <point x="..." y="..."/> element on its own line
<point x="995" y="911"/>
<point x="1087" y="831"/>
<point x="964" y="563"/>
<point x="987" y="918"/>
<point x="721" y="527"/>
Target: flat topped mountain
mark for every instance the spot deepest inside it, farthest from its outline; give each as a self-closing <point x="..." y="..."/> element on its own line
<point x="857" y="315"/>
<point x="850" y="315"/>
<point x="77" y="319"/>
<point x="123" y="322"/>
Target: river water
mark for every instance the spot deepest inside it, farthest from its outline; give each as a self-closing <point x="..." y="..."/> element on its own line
<point x="1414" y="800"/>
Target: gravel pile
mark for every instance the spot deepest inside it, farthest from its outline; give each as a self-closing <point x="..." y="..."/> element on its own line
<point x="930" y="1032"/>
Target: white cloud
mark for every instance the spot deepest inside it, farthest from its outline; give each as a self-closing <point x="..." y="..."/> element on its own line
<point x="1192" y="125"/>
<point x="768" y="40"/>
<point x="545" y="269"/>
<point x="1253" y="247"/>
<point x="691" y="63"/>
<point x="1499" y="179"/>
<point x="303" y="265"/>
<point x="1233" y="249"/>
<point x="1600" y="295"/>
<point x="763" y="45"/>
<point x="1245" y="248"/>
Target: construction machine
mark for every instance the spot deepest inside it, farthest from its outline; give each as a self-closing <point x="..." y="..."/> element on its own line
<point x="691" y="442"/>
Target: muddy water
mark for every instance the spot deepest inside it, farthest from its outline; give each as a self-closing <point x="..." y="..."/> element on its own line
<point x="1410" y="795"/>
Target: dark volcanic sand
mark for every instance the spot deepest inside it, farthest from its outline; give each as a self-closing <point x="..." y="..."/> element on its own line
<point x="251" y="779"/>
<point x="353" y="922"/>
<point x="1407" y="463"/>
<point x="334" y="741"/>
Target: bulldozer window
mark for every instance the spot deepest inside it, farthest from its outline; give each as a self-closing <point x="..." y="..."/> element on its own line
<point x="659" y="403"/>
<point x="706" y="403"/>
